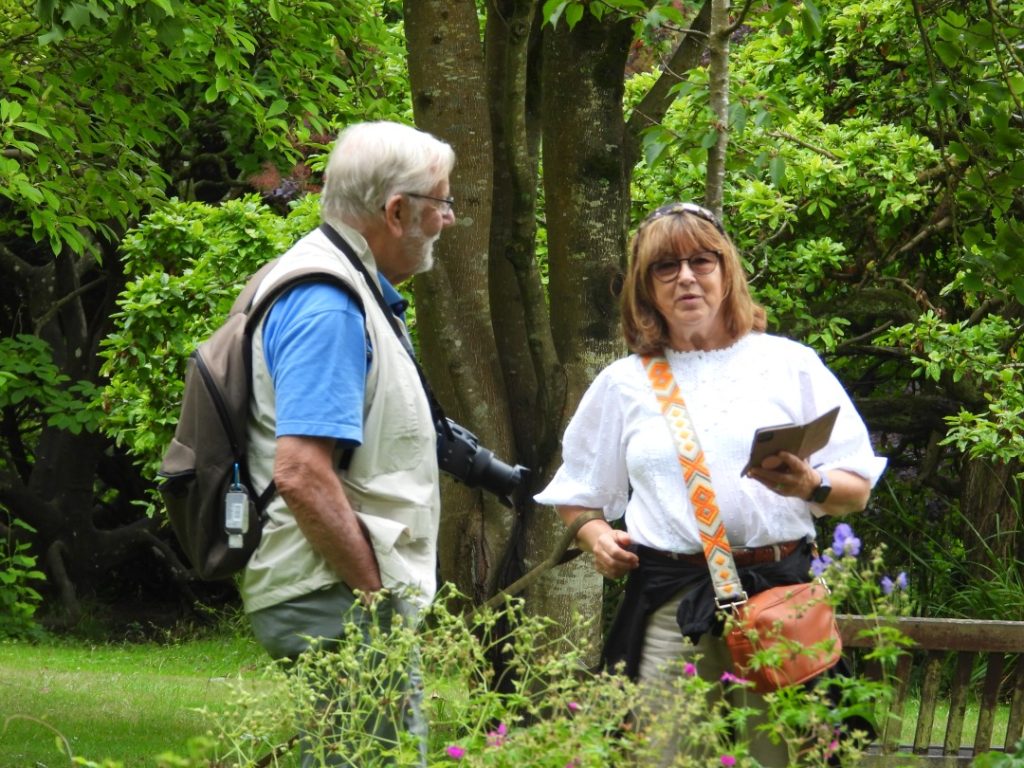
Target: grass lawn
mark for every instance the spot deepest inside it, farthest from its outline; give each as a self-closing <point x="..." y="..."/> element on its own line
<point x="125" y="702"/>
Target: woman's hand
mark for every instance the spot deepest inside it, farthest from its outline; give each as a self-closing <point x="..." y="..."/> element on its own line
<point x="788" y="475"/>
<point x="611" y="558"/>
<point x="608" y="545"/>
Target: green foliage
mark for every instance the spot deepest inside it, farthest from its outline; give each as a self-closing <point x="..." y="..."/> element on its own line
<point x="105" y="105"/>
<point x="186" y="264"/>
<point x="549" y="709"/>
<point x="35" y="392"/>
<point x="972" y="357"/>
<point x="1002" y="759"/>
<point x="18" y="599"/>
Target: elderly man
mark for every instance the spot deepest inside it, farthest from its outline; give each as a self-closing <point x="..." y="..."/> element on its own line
<point x="339" y="419"/>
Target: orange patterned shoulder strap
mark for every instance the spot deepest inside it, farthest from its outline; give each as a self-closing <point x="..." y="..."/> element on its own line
<point x="698" y="481"/>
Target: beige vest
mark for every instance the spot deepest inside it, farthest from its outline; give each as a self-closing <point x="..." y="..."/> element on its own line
<point x="392" y="481"/>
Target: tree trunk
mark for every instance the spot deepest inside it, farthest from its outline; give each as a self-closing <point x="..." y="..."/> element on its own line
<point x="586" y="188"/>
<point x="718" y="81"/>
<point x="453" y="307"/>
<point x="990" y="504"/>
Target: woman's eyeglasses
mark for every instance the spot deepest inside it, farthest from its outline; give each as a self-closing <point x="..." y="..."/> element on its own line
<point x="693" y="209"/>
<point x="703" y="263"/>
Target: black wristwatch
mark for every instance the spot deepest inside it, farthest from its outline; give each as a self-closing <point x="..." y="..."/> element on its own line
<point x="819" y="494"/>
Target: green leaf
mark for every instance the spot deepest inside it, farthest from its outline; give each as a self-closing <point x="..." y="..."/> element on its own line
<point x="573" y="14"/>
<point x="277" y="107"/>
<point x="164" y="5"/>
<point x="780" y="11"/>
<point x="810" y="17"/>
<point x="553" y="10"/>
<point x="949" y="53"/>
<point x="9" y="110"/>
<point x="77" y="15"/>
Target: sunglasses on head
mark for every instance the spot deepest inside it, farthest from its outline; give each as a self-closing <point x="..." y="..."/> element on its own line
<point x="673" y="209"/>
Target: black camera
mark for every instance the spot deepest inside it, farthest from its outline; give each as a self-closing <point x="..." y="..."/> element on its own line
<point x="459" y="454"/>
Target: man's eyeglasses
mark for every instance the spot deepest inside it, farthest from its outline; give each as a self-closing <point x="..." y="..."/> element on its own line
<point x="679" y="208"/>
<point x="447" y="204"/>
<point x="703" y="263"/>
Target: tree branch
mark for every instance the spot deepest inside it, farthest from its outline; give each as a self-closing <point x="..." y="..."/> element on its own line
<point x="41" y="322"/>
<point x="652" y="108"/>
<point x="805" y="144"/>
<point x="930" y="229"/>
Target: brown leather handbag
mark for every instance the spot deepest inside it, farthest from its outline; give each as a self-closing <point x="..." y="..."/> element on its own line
<point x="794" y="629"/>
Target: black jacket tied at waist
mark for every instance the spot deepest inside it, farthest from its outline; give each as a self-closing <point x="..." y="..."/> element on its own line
<point x="656" y="580"/>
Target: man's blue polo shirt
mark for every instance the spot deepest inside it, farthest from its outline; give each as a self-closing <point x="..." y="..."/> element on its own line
<point x="317" y="352"/>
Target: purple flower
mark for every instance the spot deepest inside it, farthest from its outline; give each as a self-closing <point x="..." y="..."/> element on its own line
<point x="728" y="760"/>
<point x="574" y="706"/>
<point x="844" y="542"/>
<point x="819" y="564"/>
<point x="888" y="585"/>
<point x="689" y="669"/>
<point x="455" y="752"/>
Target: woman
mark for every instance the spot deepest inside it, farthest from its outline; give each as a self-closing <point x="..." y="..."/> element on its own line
<point x="686" y="296"/>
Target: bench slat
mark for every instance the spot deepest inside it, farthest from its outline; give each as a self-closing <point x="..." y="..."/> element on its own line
<point x="894" y="723"/>
<point x="929" y="699"/>
<point x="958" y="702"/>
<point x="989" y="702"/>
<point x="1015" y="724"/>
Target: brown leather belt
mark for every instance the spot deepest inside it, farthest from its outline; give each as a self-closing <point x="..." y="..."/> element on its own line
<point x="743" y="556"/>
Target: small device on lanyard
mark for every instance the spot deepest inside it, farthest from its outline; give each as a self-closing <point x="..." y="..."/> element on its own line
<point x="236" y="512"/>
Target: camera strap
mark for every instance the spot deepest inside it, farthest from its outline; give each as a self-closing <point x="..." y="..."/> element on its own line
<point x="342" y="245"/>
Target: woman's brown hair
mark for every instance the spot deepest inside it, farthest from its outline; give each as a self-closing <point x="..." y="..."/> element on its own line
<point x="680" y="229"/>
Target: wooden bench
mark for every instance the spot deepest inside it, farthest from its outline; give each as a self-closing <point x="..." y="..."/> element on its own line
<point x="986" y="659"/>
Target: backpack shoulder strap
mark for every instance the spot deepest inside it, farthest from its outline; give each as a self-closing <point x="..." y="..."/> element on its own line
<point x="255" y="310"/>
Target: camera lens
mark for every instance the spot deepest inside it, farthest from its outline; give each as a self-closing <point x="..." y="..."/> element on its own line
<point x="459" y="454"/>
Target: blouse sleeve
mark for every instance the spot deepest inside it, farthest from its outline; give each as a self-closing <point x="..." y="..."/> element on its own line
<point x="593" y="472"/>
<point x="850" y="446"/>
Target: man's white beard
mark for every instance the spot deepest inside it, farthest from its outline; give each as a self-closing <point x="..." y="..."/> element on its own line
<point x="419" y="249"/>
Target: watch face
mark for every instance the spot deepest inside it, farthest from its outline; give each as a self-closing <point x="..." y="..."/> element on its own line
<point x="819" y="494"/>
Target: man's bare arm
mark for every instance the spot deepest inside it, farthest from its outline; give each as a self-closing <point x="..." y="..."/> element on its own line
<point x="305" y="478"/>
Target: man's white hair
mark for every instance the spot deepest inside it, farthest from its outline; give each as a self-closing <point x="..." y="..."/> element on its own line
<point x="372" y="161"/>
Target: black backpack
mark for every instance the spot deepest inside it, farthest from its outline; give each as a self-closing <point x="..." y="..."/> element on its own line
<point x="205" y="468"/>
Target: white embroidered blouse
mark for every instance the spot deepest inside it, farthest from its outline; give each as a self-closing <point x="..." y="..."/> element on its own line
<point x="619" y="456"/>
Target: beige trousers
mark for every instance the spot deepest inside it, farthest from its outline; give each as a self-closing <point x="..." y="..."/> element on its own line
<point x="664" y="645"/>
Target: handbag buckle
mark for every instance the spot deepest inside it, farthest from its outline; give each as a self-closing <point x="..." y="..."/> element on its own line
<point x="731" y="605"/>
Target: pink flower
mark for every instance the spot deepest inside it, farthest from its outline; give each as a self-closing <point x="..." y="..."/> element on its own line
<point x="729" y="677"/>
<point x="574" y="706"/>
<point x="689" y="669"/>
<point x="497" y="738"/>
<point x="455" y="752"/>
<point x="728" y="761"/>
